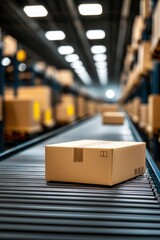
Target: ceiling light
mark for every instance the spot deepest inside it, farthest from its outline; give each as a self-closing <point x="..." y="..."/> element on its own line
<point x="110" y="93"/>
<point x="63" y="50"/>
<point x="99" y="57"/>
<point x="71" y="57"/>
<point x="55" y="35"/>
<point x="77" y="64"/>
<point x="5" y="61"/>
<point x="35" y="11"/>
<point x="90" y="9"/>
<point x="95" y="34"/>
<point x="98" y="49"/>
<point x="102" y="70"/>
<point x="100" y="64"/>
<point x="103" y="81"/>
<point x="22" y="67"/>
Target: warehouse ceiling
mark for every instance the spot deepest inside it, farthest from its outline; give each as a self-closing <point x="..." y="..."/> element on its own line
<point x="116" y="20"/>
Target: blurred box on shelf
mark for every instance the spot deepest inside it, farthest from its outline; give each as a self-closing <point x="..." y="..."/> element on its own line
<point x="22" y="115"/>
<point x="137" y="29"/>
<point x="91" y="107"/>
<point x="136" y="109"/>
<point x="65" y="113"/>
<point x="81" y="111"/>
<point x="145" y="63"/>
<point x="65" y="77"/>
<point x="113" y="117"/>
<point x="94" y="162"/>
<point x="156" y="32"/>
<point x="9" y="46"/>
<point x="145" y="8"/>
<point x="106" y="107"/>
<point x="68" y="98"/>
<point x="143" y="119"/>
<point x="153" y="113"/>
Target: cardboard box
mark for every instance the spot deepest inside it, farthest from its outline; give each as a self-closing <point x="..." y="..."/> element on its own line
<point x="145" y="8"/>
<point x="65" y="113"/>
<point x="136" y="109"/>
<point x="22" y="115"/>
<point x="137" y="29"/>
<point x="113" y="118"/>
<point x="106" y="107"/>
<point x="156" y="31"/>
<point x="91" y="107"/>
<point x="153" y="113"/>
<point x="143" y="120"/>
<point x="68" y="98"/>
<point x="95" y="162"/>
<point x="144" y="57"/>
<point x="9" y="46"/>
<point x="47" y="117"/>
<point x="65" y="77"/>
<point x="81" y="111"/>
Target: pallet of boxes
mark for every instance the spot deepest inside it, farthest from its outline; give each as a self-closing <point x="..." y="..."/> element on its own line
<point x="29" y="111"/>
<point x="111" y="114"/>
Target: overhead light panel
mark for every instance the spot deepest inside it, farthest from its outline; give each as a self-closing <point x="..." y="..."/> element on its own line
<point x="99" y="57"/>
<point x="96" y="49"/>
<point x="55" y="35"/>
<point x="90" y="9"/>
<point x="101" y="64"/>
<point x="63" y="50"/>
<point x="95" y="34"/>
<point x="78" y="64"/>
<point x="71" y="57"/>
<point x="35" y="11"/>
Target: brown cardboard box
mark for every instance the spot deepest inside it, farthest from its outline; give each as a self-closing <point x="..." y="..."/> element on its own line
<point x="143" y="121"/>
<point x="22" y="115"/>
<point x="47" y="117"/>
<point x="1" y="109"/>
<point x="91" y="107"/>
<point x="106" y="107"/>
<point x="113" y="118"/>
<point x="137" y="29"/>
<point x="153" y="113"/>
<point x="144" y="57"/>
<point x="68" y="98"/>
<point x="81" y="107"/>
<point x="65" y="113"/>
<point x="95" y="162"/>
<point x="65" y="77"/>
<point x="145" y="8"/>
<point x="9" y="46"/>
<point x="156" y="29"/>
<point x="136" y="109"/>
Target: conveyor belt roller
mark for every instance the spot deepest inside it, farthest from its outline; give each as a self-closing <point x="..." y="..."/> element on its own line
<point x="32" y="209"/>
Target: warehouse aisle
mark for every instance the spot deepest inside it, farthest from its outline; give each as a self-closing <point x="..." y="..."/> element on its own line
<point x="32" y="209"/>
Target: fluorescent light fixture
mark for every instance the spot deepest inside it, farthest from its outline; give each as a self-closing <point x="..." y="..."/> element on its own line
<point x="5" y="61"/>
<point x="35" y="11"/>
<point x="77" y="64"/>
<point x="98" y="49"/>
<point x="110" y="93"/>
<point x="22" y="67"/>
<point x="102" y="70"/>
<point x="71" y="57"/>
<point x="95" y="34"/>
<point x="55" y="35"/>
<point x="101" y="64"/>
<point x="99" y="57"/>
<point x="63" y="50"/>
<point x="90" y="9"/>
<point x="103" y="81"/>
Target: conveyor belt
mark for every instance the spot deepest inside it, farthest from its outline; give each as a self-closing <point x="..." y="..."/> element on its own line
<point x="32" y="209"/>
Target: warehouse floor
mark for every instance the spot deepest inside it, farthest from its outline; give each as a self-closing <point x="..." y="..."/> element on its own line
<point x="32" y="209"/>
